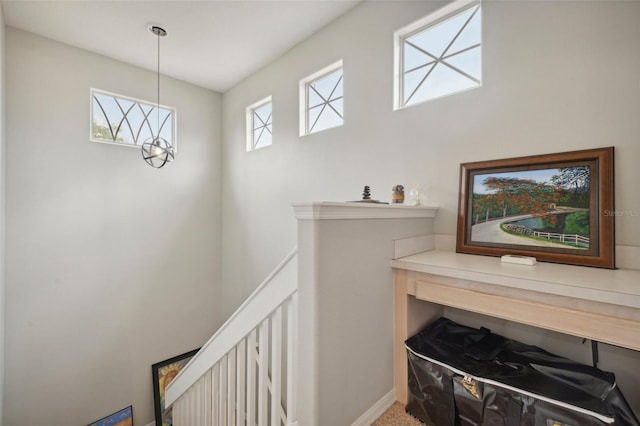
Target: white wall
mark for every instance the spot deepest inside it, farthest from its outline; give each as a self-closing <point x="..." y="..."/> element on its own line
<point x="558" y="76"/>
<point x="111" y="265"/>
<point x="2" y="209"/>
<point x="346" y="314"/>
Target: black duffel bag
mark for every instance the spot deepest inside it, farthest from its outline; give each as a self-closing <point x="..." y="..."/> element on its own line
<point x="460" y="376"/>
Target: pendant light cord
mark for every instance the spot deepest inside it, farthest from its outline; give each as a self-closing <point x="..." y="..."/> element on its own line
<point x="158" y="107"/>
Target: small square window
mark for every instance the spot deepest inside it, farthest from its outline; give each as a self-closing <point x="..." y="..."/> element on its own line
<point x="439" y="55"/>
<point x="259" y="124"/>
<point x="321" y="100"/>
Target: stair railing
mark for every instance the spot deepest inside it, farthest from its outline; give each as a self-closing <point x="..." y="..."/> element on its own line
<point x="245" y="374"/>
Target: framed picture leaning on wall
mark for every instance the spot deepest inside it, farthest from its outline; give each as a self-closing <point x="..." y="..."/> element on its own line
<point x="123" y="417"/>
<point x="163" y="373"/>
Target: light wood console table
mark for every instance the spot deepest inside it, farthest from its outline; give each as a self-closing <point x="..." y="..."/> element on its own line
<point x="597" y="304"/>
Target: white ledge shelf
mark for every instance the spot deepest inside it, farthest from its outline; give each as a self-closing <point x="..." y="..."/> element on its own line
<point x="331" y="210"/>
<point x="618" y="287"/>
<point x="598" y="304"/>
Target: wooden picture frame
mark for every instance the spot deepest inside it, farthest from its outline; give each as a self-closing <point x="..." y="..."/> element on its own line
<point x="123" y="417"/>
<point x="162" y="373"/>
<point x="555" y="207"/>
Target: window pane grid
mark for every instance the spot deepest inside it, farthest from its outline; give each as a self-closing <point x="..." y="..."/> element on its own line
<point x="125" y="121"/>
<point x="259" y="127"/>
<point x="442" y="57"/>
<point x="321" y="93"/>
<point x="419" y="67"/>
<point x="323" y="102"/>
<point x="260" y="122"/>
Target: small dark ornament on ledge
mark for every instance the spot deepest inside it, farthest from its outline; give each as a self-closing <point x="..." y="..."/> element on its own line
<point x="366" y="197"/>
<point x="366" y="194"/>
<point x="397" y="196"/>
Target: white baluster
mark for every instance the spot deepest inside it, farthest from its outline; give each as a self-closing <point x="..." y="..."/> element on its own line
<point x="241" y="377"/>
<point x="231" y="387"/>
<point x="292" y="345"/>
<point x="177" y="412"/>
<point x="263" y="373"/>
<point x="195" y="403"/>
<point x="187" y="409"/>
<point x="215" y="395"/>
<point x="223" y="391"/>
<point x="276" y="366"/>
<point x="251" y="378"/>
<point x="192" y="406"/>
<point x="208" y="399"/>
<point x="202" y="401"/>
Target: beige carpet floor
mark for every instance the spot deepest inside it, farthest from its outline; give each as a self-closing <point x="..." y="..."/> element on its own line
<point x="396" y="416"/>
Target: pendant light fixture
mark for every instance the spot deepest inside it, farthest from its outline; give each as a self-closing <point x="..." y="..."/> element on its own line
<point x="156" y="150"/>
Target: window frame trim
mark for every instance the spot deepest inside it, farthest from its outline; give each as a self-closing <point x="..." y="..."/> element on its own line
<point x="399" y="36"/>
<point x="304" y="96"/>
<point x="174" y="115"/>
<point x="249" y="112"/>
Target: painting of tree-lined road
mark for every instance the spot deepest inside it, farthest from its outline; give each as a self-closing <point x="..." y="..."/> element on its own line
<point x="542" y="208"/>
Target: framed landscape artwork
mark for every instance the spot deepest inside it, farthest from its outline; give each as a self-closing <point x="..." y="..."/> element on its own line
<point x="123" y="417"/>
<point x="163" y="373"/>
<point x="555" y="207"/>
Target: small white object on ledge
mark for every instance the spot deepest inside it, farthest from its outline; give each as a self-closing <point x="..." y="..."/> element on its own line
<point x="520" y="260"/>
<point x="416" y="197"/>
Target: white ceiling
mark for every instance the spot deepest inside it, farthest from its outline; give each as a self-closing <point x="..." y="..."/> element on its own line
<point x="211" y="43"/>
